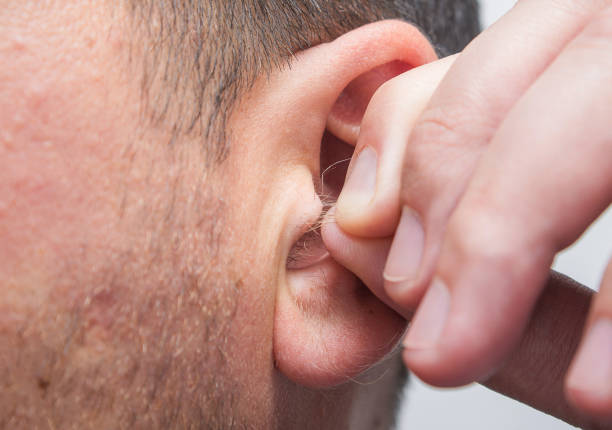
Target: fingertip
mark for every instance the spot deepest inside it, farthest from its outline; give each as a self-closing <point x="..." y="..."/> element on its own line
<point x="430" y="367"/>
<point x="588" y="384"/>
<point x="351" y="215"/>
<point x="368" y="205"/>
<point x="589" y="403"/>
<point x="426" y="348"/>
<point x="332" y="235"/>
<point x="378" y="218"/>
<point x="449" y="345"/>
<point x="359" y="190"/>
<point x="439" y="369"/>
<point x="345" y="248"/>
<point x="406" y="293"/>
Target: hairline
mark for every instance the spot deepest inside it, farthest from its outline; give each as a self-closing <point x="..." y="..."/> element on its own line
<point x="199" y="79"/>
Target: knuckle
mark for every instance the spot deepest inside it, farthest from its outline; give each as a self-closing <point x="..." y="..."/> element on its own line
<point x="437" y="126"/>
<point x="482" y="235"/>
<point x="478" y="239"/>
<point x="448" y="127"/>
<point x="441" y="157"/>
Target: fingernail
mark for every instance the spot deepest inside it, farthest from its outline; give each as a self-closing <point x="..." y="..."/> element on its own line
<point x="360" y="186"/>
<point x="430" y="319"/>
<point x="406" y="250"/>
<point x="592" y="370"/>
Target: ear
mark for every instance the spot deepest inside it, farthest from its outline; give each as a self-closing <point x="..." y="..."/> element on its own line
<point x="348" y="111"/>
<point x="394" y="48"/>
<point x="328" y="326"/>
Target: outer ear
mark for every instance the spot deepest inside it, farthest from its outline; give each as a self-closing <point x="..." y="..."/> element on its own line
<point x="393" y="57"/>
<point x="347" y="113"/>
<point x="328" y="326"/>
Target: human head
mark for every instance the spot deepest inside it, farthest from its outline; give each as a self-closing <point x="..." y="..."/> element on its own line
<point x="157" y="164"/>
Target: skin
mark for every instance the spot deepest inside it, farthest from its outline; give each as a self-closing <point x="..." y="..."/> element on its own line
<point x="533" y="372"/>
<point x="135" y="291"/>
<point x="482" y="198"/>
<point x="143" y="287"/>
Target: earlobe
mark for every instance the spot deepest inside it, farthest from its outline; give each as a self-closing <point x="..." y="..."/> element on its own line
<point x="329" y="331"/>
<point x="328" y="326"/>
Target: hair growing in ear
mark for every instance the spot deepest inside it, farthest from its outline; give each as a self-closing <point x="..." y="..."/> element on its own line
<point x="201" y="56"/>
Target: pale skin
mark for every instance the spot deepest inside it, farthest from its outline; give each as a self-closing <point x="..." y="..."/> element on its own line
<point x="141" y="288"/>
<point x="505" y="165"/>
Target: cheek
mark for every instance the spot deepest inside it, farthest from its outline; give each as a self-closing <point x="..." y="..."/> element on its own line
<point x="60" y="135"/>
<point x="101" y="227"/>
<point x="62" y="195"/>
<point x="54" y="199"/>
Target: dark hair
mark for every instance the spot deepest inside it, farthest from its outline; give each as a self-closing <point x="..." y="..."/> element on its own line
<point x="203" y="54"/>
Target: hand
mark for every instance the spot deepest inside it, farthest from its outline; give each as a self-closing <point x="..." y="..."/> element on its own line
<point x="508" y="164"/>
<point x="551" y="333"/>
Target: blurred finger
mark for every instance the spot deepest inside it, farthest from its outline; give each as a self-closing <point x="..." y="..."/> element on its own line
<point x="589" y="383"/>
<point x="534" y="373"/>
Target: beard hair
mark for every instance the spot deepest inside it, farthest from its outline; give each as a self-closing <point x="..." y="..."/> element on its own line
<point x="127" y="338"/>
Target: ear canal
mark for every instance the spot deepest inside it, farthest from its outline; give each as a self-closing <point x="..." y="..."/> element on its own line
<point x="346" y="115"/>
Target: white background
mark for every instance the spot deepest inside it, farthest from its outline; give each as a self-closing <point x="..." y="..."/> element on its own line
<point x="475" y="407"/>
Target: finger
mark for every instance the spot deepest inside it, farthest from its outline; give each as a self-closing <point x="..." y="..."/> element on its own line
<point x="589" y="383"/>
<point x="370" y="208"/>
<point x="364" y="257"/>
<point x="468" y="107"/>
<point x="534" y="373"/>
<point x="544" y="179"/>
